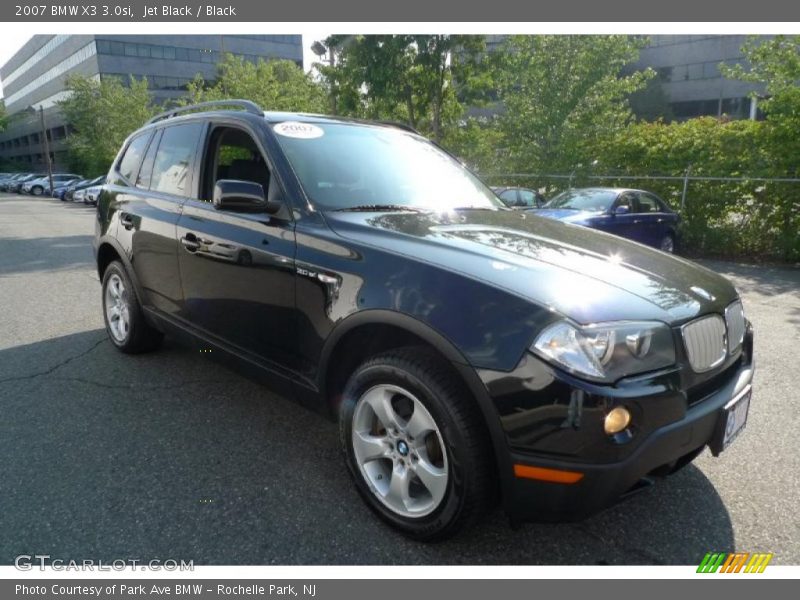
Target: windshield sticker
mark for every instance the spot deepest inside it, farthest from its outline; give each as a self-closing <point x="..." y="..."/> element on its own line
<point x="295" y="129"/>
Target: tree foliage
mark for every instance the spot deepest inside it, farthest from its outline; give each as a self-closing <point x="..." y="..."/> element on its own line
<point x="775" y="64"/>
<point x="3" y="116"/>
<point x="274" y="85"/>
<point x="564" y="96"/>
<point x="102" y="114"/>
<point x="422" y="80"/>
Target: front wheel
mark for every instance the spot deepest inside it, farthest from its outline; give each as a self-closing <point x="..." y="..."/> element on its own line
<point x="415" y="444"/>
<point x="37" y="190"/>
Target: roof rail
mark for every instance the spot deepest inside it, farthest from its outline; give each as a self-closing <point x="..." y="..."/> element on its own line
<point x="246" y="105"/>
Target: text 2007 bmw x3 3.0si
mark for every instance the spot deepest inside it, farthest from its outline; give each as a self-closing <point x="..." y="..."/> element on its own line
<point x="471" y="353"/>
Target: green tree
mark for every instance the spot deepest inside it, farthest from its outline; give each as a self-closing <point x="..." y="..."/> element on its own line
<point x="102" y="114"/>
<point x="274" y="85"/>
<point x="564" y="96"/>
<point x="422" y="80"/>
<point x="775" y="64"/>
<point x="3" y="116"/>
<point x="651" y="103"/>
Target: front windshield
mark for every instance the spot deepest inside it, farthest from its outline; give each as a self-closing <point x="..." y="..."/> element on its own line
<point x="347" y="166"/>
<point x="588" y="200"/>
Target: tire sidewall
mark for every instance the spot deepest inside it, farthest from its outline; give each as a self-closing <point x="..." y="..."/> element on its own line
<point x="116" y="269"/>
<point x="451" y="505"/>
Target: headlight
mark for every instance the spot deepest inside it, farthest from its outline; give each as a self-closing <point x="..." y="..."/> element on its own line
<point x="607" y="351"/>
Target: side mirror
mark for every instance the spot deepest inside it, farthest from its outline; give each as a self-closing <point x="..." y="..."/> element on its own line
<point x="621" y="210"/>
<point x="242" y="196"/>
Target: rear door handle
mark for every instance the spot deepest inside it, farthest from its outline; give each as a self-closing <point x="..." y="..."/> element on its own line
<point x="189" y="241"/>
<point x="126" y="220"/>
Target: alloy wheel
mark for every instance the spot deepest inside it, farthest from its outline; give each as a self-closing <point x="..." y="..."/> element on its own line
<point x="118" y="314"/>
<point x="400" y="451"/>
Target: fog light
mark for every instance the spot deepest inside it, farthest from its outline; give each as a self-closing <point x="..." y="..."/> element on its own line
<point x="617" y="420"/>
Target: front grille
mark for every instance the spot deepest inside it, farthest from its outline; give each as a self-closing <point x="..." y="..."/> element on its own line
<point x="701" y="391"/>
<point x="705" y="342"/>
<point x="734" y="318"/>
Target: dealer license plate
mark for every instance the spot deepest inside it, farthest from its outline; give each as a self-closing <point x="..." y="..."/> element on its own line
<point x="733" y="418"/>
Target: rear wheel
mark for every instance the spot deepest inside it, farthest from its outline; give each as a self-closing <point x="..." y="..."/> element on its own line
<point x="125" y="322"/>
<point x="415" y="444"/>
<point x="37" y="190"/>
<point x="667" y="244"/>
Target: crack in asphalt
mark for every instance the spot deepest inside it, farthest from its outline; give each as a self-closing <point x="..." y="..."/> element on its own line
<point x="131" y="386"/>
<point x="55" y="367"/>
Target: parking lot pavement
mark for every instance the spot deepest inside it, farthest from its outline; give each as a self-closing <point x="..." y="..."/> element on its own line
<point x="170" y="455"/>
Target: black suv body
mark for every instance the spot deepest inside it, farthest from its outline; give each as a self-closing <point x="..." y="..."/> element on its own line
<point x="471" y="352"/>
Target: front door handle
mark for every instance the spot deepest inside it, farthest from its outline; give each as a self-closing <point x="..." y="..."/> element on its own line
<point x="127" y="220"/>
<point x="189" y="241"/>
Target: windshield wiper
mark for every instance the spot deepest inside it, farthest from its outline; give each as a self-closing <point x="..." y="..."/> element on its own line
<point x="380" y="207"/>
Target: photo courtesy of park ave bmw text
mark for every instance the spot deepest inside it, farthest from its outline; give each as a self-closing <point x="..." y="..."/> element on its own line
<point x="289" y="305"/>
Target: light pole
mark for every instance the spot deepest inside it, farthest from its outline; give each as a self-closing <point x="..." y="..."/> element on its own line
<point x="320" y="50"/>
<point x="45" y="143"/>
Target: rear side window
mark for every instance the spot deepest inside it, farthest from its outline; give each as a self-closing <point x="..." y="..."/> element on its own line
<point x="172" y="170"/>
<point x="146" y="172"/>
<point x="129" y="163"/>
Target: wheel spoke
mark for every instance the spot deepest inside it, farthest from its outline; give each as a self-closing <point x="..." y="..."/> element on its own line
<point x="420" y="422"/>
<point x="369" y="447"/>
<point x="398" y="494"/>
<point x="380" y="400"/>
<point x="407" y="474"/>
<point x="433" y="478"/>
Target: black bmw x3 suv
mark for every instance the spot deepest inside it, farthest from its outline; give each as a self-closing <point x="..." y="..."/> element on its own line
<point x="470" y="352"/>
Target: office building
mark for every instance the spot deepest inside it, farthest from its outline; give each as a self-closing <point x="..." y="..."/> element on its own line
<point x="688" y="69"/>
<point x="35" y="77"/>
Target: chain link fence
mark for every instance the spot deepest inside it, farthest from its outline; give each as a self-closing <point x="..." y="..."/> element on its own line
<point x="726" y="217"/>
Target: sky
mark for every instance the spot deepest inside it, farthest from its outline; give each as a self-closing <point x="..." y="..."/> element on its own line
<point x="11" y="41"/>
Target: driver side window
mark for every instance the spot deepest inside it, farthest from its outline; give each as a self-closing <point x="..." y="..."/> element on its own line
<point x="625" y="200"/>
<point x="509" y="197"/>
<point x="233" y="154"/>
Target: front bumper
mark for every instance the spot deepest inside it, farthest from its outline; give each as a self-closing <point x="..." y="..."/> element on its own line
<point x="670" y="427"/>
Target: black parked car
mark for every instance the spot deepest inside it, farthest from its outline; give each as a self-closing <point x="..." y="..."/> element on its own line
<point x="470" y="352"/>
<point x="517" y="197"/>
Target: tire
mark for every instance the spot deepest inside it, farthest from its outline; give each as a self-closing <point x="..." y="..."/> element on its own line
<point x="124" y="319"/>
<point x="667" y="244"/>
<point x="446" y="469"/>
<point x="37" y="190"/>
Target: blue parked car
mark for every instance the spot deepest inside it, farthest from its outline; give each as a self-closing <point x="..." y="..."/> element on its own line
<point x="634" y="214"/>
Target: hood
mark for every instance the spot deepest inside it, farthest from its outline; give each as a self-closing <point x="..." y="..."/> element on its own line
<point x="584" y="274"/>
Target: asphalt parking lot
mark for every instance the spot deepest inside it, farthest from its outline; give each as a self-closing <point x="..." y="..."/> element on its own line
<point x="170" y="455"/>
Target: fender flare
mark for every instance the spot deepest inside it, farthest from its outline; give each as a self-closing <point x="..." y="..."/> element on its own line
<point x="444" y="346"/>
<point x="126" y="262"/>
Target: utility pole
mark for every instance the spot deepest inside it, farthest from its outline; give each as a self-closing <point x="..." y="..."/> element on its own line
<point x="46" y="146"/>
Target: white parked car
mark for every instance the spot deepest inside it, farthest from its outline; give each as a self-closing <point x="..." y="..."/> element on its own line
<point x="90" y="194"/>
<point x="40" y="186"/>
